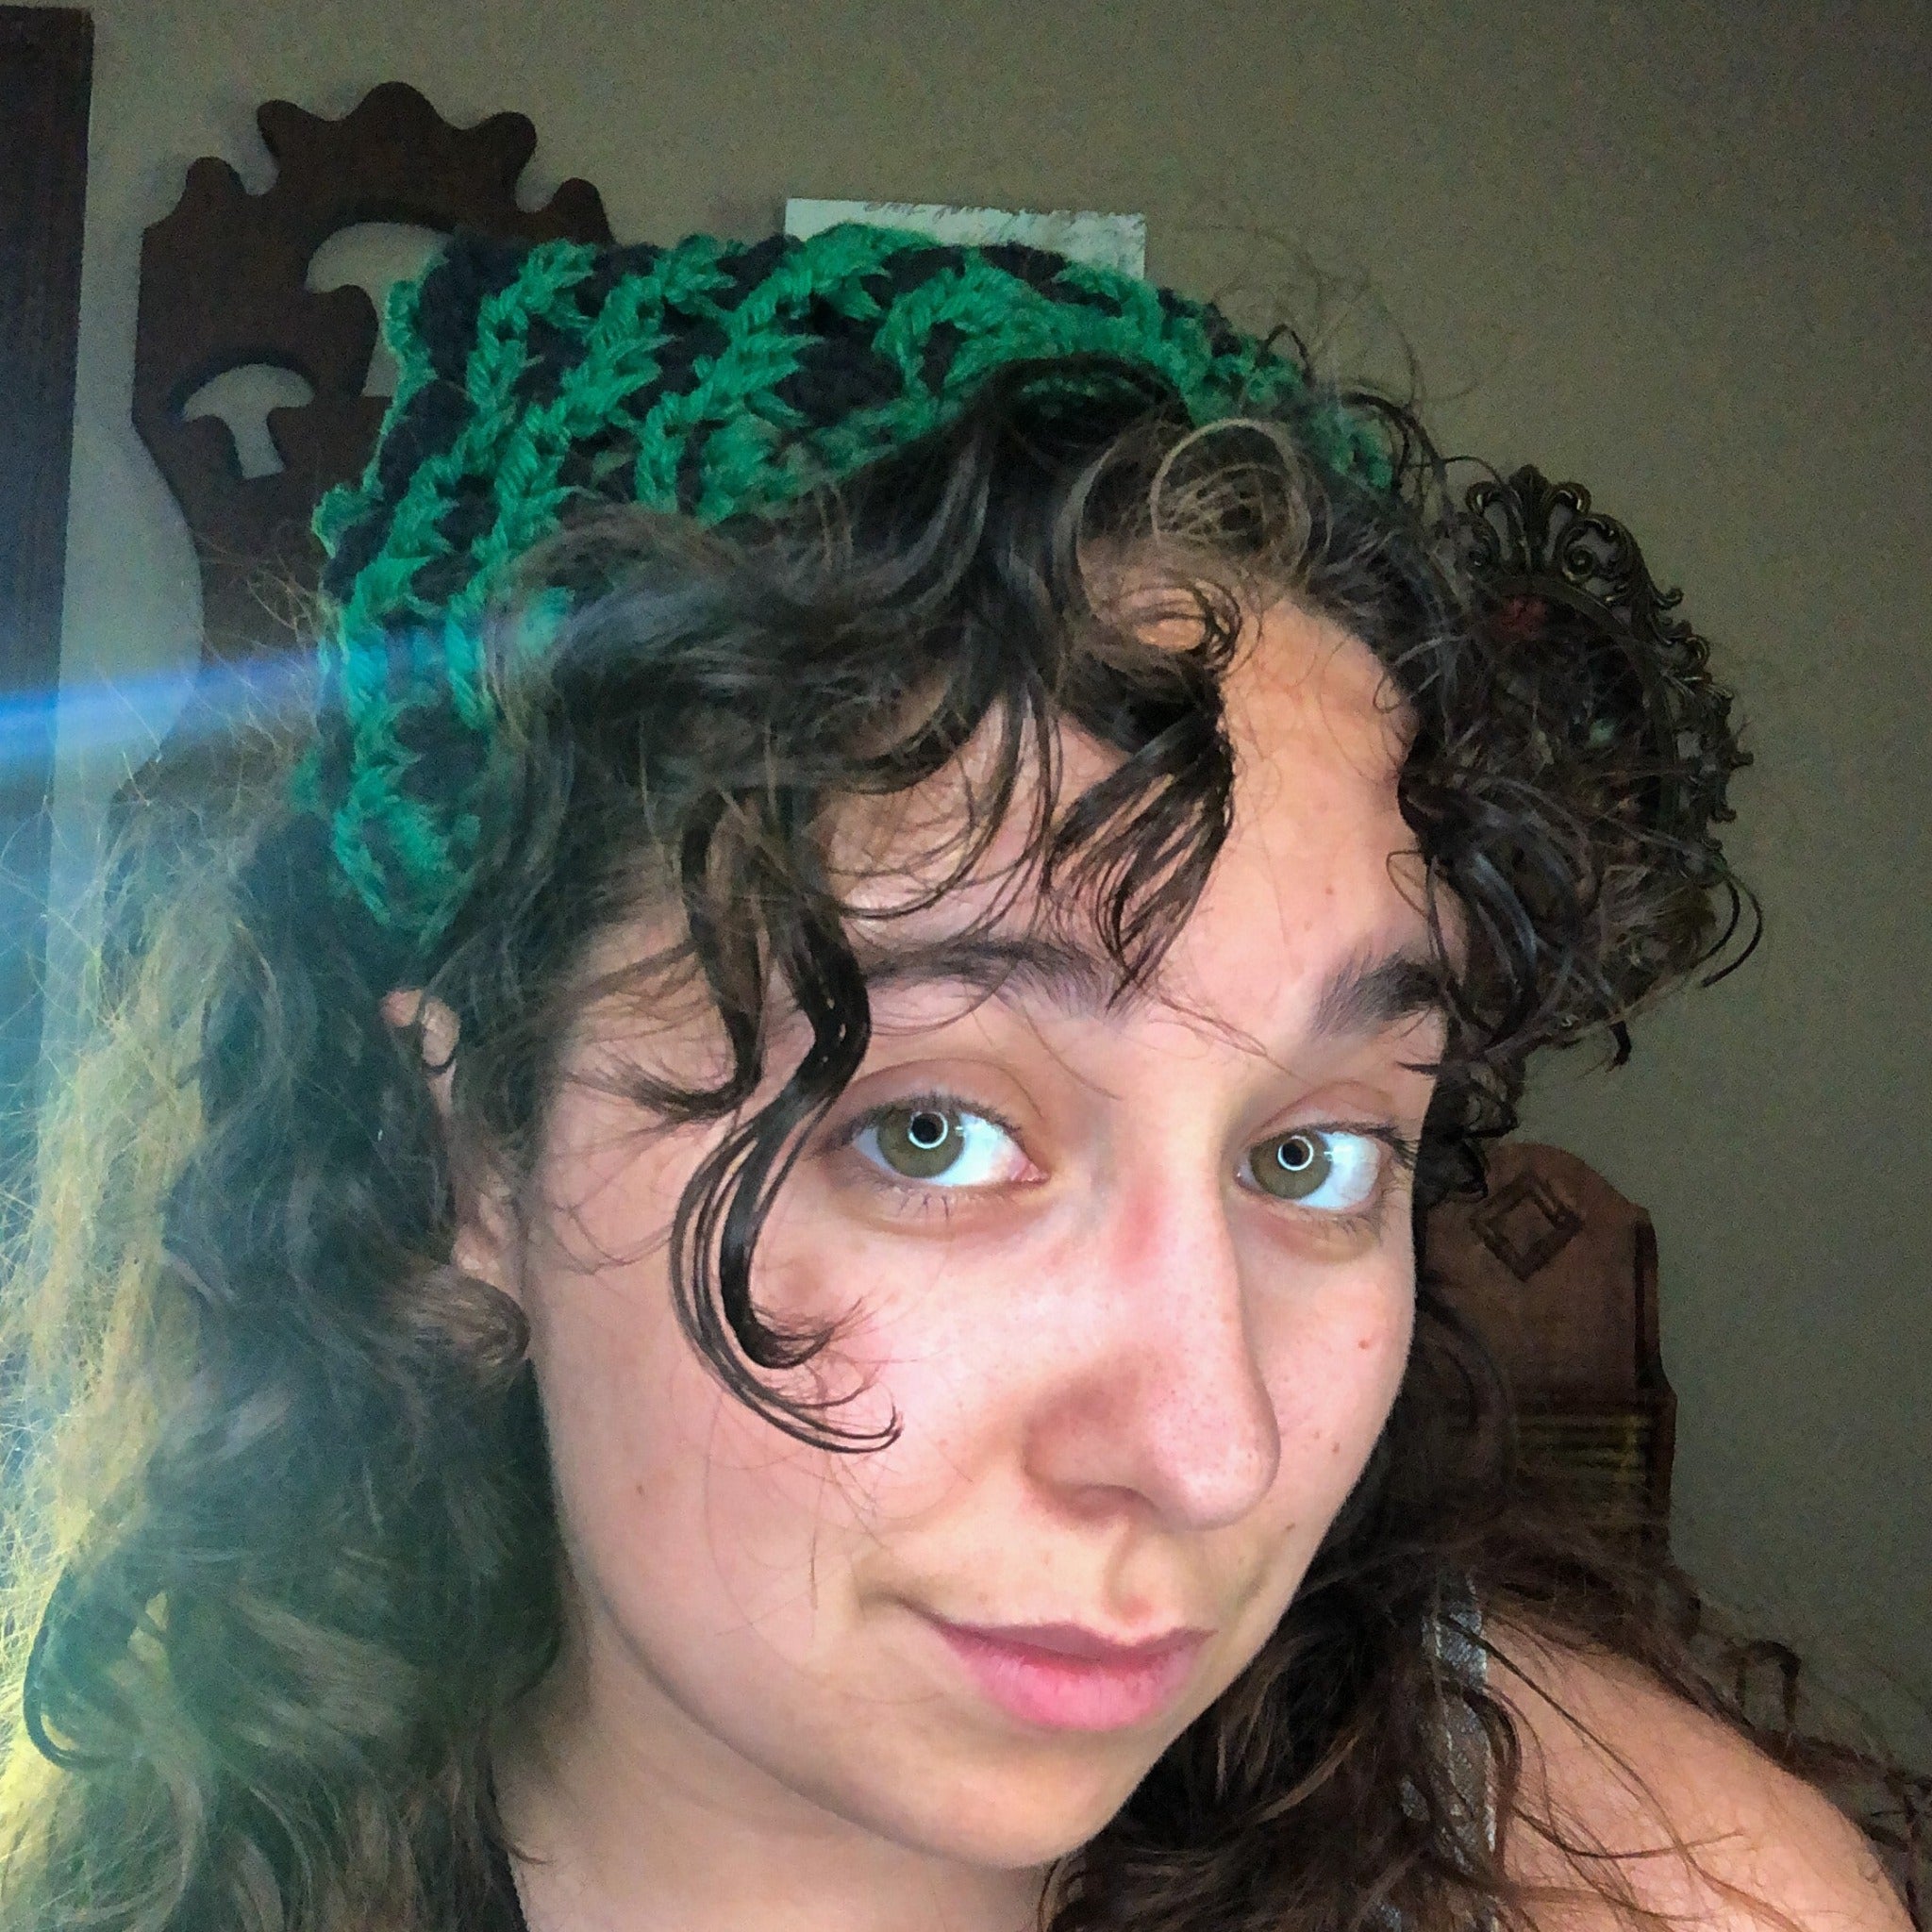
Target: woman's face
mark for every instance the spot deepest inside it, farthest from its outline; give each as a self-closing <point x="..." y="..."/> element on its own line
<point x="1135" y="1282"/>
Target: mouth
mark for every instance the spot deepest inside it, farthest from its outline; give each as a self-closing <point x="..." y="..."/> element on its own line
<point x="1065" y="1677"/>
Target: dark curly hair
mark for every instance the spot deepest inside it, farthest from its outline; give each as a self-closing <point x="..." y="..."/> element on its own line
<point x="283" y="1555"/>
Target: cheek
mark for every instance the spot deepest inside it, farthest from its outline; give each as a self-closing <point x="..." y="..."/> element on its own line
<point x="696" y="1535"/>
<point x="632" y="1418"/>
<point x="923" y="1348"/>
<point x="680" y="1506"/>
<point x="1333" y="1361"/>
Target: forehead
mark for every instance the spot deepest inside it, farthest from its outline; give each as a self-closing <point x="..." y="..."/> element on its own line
<point x="1318" y="867"/>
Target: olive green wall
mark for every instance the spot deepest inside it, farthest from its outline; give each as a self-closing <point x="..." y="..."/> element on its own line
<point x="1677" y="250"/>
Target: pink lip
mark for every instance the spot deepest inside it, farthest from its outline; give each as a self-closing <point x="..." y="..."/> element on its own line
<point x="1062" y="1677"/>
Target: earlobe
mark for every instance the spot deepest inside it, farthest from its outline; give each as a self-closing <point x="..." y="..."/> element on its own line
<point x="485" y="1245"/>
<point x="485" y="1248"/>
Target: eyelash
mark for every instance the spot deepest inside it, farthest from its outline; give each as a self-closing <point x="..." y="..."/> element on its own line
<point x="908" y="1197"/>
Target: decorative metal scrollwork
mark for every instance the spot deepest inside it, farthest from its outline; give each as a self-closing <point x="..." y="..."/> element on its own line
<point x="223" y="285"/>
<point x="1526" y="538"/>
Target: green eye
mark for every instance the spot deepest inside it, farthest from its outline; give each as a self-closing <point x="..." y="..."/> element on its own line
<point x="942" y="1143"/>
<point x="1319" y="1170"/>
<point x="1293" y="1167"/>
<point x="920" y="1142"/>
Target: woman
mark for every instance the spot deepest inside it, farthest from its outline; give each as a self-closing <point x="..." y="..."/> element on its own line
<point x="738" y="1250"/>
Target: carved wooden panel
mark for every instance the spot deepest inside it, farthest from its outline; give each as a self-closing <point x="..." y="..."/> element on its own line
<point x="1557" y="1271"/>
<point x="223" y="285"/>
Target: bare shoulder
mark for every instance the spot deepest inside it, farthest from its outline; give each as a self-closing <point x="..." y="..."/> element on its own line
<point x="1704" y="1829"/>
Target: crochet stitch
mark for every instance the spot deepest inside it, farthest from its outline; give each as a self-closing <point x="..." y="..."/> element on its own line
<point x="712" y="377"/>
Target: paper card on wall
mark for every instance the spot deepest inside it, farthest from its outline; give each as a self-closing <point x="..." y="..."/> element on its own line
<point x="1116" y="242"/>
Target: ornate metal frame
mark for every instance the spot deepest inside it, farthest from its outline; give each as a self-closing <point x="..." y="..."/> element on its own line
<point x="1534" y="538"/>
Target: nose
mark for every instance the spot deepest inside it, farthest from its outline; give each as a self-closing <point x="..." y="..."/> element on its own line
<point x="1160" y="1397"/>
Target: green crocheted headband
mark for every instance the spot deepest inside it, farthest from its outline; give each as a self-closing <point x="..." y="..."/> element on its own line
<point x="712" y="378"/>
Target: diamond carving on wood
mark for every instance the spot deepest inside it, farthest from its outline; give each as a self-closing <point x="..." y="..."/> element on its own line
<point x="1525" y="1225"/>
<point x="223" y="285"/>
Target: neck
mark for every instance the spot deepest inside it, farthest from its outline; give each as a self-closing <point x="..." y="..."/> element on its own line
<point x="626" y="1816"/>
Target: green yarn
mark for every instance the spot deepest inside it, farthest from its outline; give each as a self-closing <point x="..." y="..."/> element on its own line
<point x="714" y="377"/>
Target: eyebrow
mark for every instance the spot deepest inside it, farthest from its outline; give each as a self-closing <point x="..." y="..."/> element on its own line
<point x="1367" y="995"/>
<point x="1017" y="967"/>
<point x="1363" y="995"/>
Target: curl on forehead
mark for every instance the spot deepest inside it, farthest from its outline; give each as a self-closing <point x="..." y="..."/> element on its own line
<point x="1296" y="689"/>
<point x="1312" y="914"/>
<point x="1098" y="778"/>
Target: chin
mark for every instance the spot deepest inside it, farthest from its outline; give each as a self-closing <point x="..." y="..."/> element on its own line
<point x="1016" y="1818"/>
<point x="1013" y="1843"/>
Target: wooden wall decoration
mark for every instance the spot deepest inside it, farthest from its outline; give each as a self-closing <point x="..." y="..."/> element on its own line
<point x="1557" y="1271"/>
<point x="223" y="285"/>
<point x="46" y="75"/>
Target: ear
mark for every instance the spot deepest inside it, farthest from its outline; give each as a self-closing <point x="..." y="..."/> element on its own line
<point x="485" y="1244"/>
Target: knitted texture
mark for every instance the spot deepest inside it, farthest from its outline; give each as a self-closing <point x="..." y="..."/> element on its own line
<point x="712" y="378"/>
